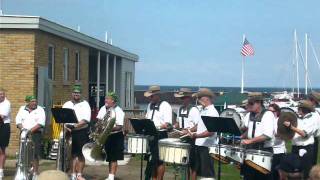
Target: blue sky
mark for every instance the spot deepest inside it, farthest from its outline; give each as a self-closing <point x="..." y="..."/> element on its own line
<point x="195" y="42"/>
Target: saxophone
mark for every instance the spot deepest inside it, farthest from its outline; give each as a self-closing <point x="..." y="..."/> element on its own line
<point x="94" y="151"/>
<point x="25" y="156"/>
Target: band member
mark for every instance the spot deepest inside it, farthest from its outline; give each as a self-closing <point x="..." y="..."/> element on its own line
<point x="32" y="117"/>
<point x="114" y="145"/>
<point x="314" y="98"/>
<point x="188" y="117"/>
<point x="5" y="118"/>
<point x="259" y="134"/>
<point x="303" y="140"/>
<point x="204" y="164"/>
<point x="160" y="112"/>
<point x="279" y="145"/>
<point x="79" y="131"/>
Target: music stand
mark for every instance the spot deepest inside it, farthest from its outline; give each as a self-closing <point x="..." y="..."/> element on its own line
<point x="62" y="116"/>
<point x="221" y="125"/>
<point x="144" y="127"/>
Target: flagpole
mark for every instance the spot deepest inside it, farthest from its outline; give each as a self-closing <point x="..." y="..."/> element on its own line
<point x="242" y="69"/>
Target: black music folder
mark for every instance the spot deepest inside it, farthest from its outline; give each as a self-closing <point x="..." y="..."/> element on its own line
<point x="144" y="126"/>
<point x="221" y="124"/>
<point x="64" y="115"/>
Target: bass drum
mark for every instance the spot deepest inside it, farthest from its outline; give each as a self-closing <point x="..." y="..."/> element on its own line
<point x="237" y="114"/>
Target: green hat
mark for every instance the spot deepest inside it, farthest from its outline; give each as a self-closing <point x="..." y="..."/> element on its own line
<point x="77" y="88"/>
<point x="113" y="95"/>
<point x="30" y="98"/>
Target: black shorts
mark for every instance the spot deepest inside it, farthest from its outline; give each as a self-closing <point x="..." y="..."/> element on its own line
<point x="306" y="159"/>
<point x="4" y="135"/>
<point x="36" y="139"/>
<point x="79" y="138"/>
<point x="114" y="147"/>
<point x="203" y="164"/>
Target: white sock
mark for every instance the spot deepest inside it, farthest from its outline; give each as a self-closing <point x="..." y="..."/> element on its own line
<point x="111" y="177"/>
<point x="73" y="175"/>
<point x="1" y="172"/>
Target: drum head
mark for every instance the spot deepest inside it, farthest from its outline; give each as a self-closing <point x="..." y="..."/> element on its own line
<point x="231" y="113"/>
<point x="172" y="142"/>
<point x="258" y="152"/>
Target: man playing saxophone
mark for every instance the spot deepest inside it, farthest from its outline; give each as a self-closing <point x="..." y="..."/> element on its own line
<point x="32" y="117"/>
<point x="79" y="131"/>
<point x="114" y="145"/>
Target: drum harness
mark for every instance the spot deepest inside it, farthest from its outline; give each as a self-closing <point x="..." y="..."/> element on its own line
<point x="184" y="115"/>
<point x="255" y="119"/>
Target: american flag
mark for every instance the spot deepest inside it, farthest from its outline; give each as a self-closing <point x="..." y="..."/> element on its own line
<point x="247" y="49"/>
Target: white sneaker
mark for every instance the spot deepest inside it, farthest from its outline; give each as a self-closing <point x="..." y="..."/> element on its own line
<point x="35" y="177"/>
<point x="73" y="178"/>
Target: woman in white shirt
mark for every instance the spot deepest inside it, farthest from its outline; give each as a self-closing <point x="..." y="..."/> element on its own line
<point x="279" y="146"/>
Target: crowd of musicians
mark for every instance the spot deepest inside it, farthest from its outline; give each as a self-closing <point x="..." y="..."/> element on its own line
<point x="258" y="132"/>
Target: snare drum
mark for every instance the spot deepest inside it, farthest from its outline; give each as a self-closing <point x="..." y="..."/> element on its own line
<point x="172" y="150"/>
<point x="137" y="144"/>
<point x="259" y="160"/>
<point x="214" y="152"/>
<point x="236" y="155"/>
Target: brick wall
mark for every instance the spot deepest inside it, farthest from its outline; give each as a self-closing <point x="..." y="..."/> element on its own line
<point x="16" y="72"/>
<point x="21" y="53"/>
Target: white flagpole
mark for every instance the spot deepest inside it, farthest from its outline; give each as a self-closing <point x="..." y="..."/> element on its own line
<point x="242" y="69"/>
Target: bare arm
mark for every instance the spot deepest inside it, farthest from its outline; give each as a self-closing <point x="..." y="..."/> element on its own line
<point x="117" y="128"/>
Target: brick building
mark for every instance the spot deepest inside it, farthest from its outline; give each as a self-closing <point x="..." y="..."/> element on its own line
<point x="41" y="57"/>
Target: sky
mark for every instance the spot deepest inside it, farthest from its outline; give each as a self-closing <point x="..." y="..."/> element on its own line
<point x="196" y="43"/>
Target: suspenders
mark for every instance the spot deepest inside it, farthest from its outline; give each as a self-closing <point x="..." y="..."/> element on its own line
<point x="154" y="107"/>
<point x="184" y="115"/>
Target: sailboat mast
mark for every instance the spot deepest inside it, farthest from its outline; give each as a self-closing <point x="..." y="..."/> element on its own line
<point x="297" y="61"/>
<point x="306" y="64"/>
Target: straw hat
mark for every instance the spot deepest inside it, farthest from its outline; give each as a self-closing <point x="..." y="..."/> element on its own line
<point x="306" y="104"/>
<point x="53" y="175"/>
<point x="152" y="91"/>
<point x="203" y="92"/>
<point x="183" y="92"/>
<point x="315" y="96"/>
<point x="255" y="96"/>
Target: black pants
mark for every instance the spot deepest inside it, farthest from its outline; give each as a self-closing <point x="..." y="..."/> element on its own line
<point x="315" y="150"/>
<point x="275" y="162"/>
<point x="306" y="159"/>
<point x="204" y="164"/>
<point x="153" y="160"/>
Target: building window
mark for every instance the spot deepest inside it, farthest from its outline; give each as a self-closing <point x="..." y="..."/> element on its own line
<point x="128" y="89"/>
<point x="77" y="64"/>
<point x="65" y="64"/>
<point x="51" y="62"/>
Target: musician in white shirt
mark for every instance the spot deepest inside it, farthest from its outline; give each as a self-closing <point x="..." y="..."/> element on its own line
<point x="259" y="134"/>
<point x="314" y="98"/>
<point x="303" y="141"/>
<point x="32" y="117"/>
<point x="160" y="112"/>
<point x="114" y="145"/>
<point x="204" y="164"/>
<point x="5" y="118"/>
<point x="79" y="131"/>
<point x="279" y="145"/>
<point x="188" y="117"/>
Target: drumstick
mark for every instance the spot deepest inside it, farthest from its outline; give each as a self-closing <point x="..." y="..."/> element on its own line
<point x="176" y="130"/>
<point x="186" y="135"/>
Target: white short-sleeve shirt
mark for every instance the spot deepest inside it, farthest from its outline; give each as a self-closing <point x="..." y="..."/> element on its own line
<point x="81" y="109"/>
<point x="192" y="119"/>
<point x="117" y="113"/>
<point x="279" y="145"/>
<point x="162" y="114"/>
<point x="5" y="110"/>
<point x="305" y="124"/>
<point x="207" y="141"/>
<point x="264" y="127"/>
<point x="316" y="118"/>
<point x="28" y="120"/>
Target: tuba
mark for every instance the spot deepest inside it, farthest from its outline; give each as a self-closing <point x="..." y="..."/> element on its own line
<point x="94" y="151"/>
<point x="25" y="156"/>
